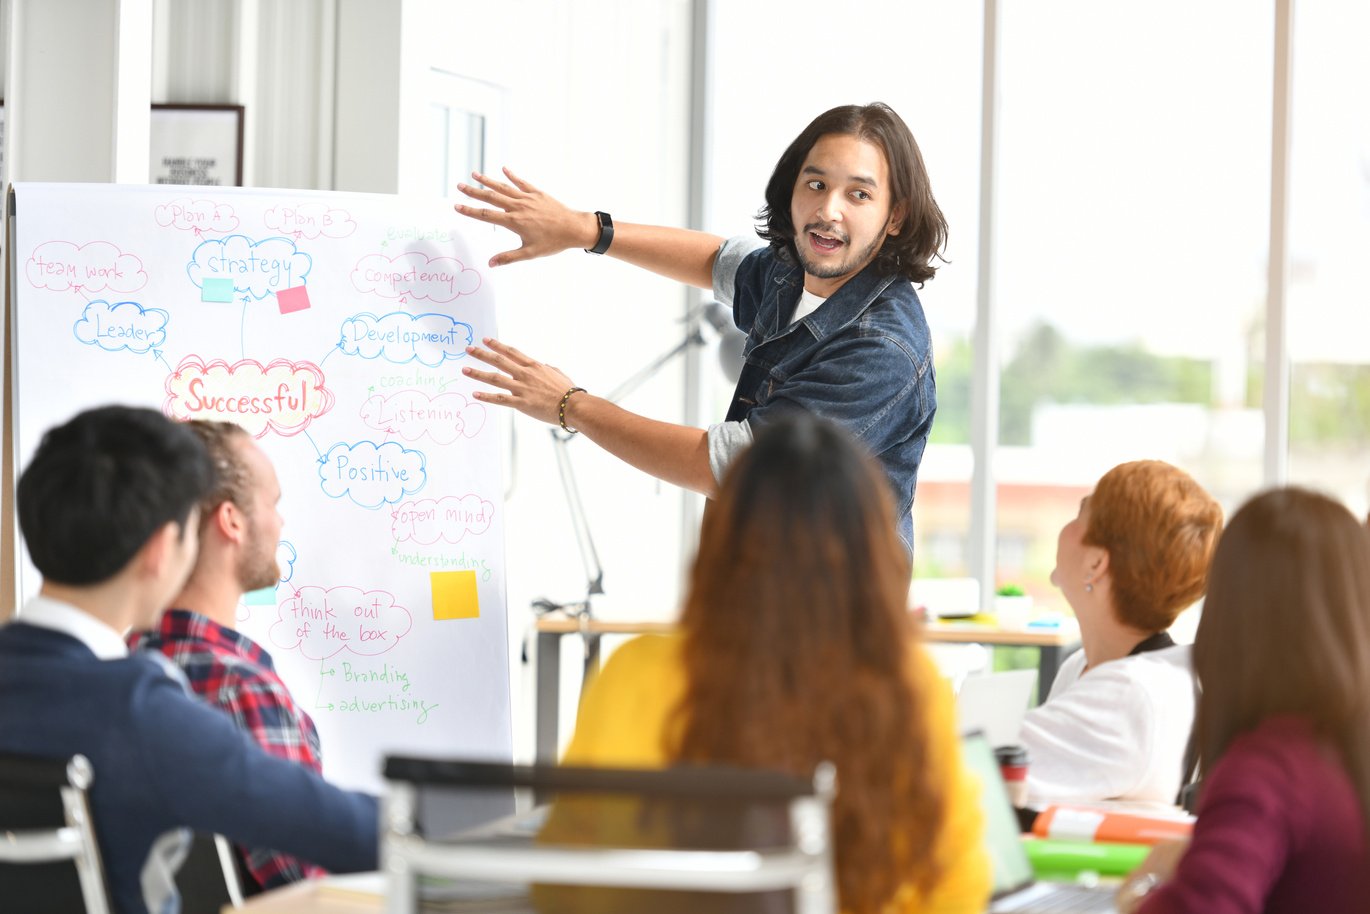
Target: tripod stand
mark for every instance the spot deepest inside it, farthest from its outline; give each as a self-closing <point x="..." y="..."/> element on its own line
<point x="547" y="711"/>
<point x="583" y="610"/>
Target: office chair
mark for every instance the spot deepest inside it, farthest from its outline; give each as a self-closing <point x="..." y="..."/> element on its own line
<point x="209" y="877"/>
<point x="686" y="838"/>
<point x="49" y="861"/>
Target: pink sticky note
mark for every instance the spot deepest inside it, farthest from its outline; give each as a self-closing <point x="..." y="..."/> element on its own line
<point x="292" y="300"/>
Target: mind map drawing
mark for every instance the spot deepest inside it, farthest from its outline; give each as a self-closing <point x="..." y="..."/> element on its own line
<point x="332" y="328"/>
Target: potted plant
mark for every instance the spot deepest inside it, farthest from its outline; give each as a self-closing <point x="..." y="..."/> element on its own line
<point x="1012" y="606"/>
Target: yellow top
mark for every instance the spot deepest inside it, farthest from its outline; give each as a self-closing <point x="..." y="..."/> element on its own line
<point x="626" y="710"/>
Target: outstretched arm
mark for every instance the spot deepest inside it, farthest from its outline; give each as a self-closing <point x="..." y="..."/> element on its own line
<point x="676" y="454"/>
<point x="546" y="226"/>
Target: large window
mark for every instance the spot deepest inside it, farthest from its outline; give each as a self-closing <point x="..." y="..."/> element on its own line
<point x="1131" y="235"/>
<point x="1132" y="228"/>
<point x="1329" y="275"/>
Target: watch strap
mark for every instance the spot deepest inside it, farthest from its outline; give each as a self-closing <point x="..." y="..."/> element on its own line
<point x="606" y="234"/>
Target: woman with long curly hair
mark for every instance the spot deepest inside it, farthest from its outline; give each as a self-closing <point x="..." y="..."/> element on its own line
<point x="796" y="647"/>
<point x="1283" y="725"/>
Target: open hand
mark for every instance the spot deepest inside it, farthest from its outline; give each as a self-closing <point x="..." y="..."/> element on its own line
<point x="544" y="224"/>
<point x="534" y="389"/>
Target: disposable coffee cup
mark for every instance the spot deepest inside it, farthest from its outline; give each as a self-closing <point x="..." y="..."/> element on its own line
<point x="1013" y="765"/>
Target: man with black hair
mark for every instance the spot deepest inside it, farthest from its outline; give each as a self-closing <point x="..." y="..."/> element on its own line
<point x="108" y="510"/>
<point x="825" y="297"/>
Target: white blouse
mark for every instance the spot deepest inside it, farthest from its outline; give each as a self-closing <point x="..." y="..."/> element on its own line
<point x="1118" y="732"/>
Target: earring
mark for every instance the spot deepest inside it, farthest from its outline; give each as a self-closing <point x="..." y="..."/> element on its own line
<point x="1089" y="588"/>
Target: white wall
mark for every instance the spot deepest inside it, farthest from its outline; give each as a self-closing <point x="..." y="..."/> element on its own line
<point x="597" y="116"/>
<point x="76" y="89"/>
<point x="920" y="57"/>
<point x="275" y="59"/>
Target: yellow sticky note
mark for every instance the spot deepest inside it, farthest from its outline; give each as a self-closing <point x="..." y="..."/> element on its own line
<point x="454" y="595"/>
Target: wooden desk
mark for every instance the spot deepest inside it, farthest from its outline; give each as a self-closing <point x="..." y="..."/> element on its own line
<point x="1053" y="646"/>
<point x="313" y="897"/>
<point x="305" y="898"/>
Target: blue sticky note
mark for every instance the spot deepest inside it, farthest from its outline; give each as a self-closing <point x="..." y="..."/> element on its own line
<point x="216" y="288"/>
<point x="264" y="597"/>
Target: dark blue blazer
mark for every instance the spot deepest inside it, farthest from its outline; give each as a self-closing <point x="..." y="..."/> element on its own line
<point x="163" y="760"/>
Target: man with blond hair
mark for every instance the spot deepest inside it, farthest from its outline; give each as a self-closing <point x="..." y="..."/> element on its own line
<point x="240" y="527"/>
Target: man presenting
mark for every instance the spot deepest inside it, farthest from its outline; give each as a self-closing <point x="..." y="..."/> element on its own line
<point x="825" y="297"/>
<point x="239" y="530"/>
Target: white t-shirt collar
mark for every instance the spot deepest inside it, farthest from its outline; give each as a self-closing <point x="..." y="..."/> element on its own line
<point x="103" y="641"/>
<point x="808" y="304"/>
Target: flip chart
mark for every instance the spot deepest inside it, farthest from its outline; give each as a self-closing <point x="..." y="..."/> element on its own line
<point x="333" y="328"/>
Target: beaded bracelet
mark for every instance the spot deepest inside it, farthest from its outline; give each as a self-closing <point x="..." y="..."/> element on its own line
<point x="561" y="411"/>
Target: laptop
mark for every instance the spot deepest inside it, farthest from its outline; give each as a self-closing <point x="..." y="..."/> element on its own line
<point x="995" y="704"/>
<point x="1016" y="890"/>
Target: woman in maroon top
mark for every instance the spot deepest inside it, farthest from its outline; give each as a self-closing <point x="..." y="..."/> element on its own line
<point x="1283" y="724"/>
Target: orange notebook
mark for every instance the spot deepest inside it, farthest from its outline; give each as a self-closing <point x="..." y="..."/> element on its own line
<point x="1073" y="823"/>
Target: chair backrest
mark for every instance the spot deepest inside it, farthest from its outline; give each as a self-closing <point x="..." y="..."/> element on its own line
<point x="685" y="838"/>
<point x="208" y="879"/>
<point x="49" y="860"/>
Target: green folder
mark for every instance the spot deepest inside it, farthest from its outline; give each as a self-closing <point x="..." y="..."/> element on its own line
<point x="1052" y="858"/>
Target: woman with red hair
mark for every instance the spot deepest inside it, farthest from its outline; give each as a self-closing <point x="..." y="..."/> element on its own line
<point x="1117" y="721"/>
<point x="796" y="647"/>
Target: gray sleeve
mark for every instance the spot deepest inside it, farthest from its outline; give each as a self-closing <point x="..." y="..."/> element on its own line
<point x="730" y="255"/>
<point x="726" y="441"/>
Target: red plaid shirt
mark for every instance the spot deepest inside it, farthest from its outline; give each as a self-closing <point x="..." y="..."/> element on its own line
<point x="229" y="669"/>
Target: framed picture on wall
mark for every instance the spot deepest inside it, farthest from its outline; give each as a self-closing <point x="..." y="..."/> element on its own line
<point x="197" y="144"/>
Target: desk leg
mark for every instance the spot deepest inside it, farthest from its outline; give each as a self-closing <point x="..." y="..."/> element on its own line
<point x="548" y="711"/>
<point x="591" y="660"/>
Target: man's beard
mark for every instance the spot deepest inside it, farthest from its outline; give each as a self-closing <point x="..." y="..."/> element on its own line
<point x="259" y="571"/>
<point x="840" y="269"/>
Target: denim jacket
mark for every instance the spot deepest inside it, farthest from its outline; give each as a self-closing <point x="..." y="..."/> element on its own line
<point x="863" y="360"/>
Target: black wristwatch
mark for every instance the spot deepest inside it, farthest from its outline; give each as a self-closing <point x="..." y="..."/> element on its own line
<point x="606" y="234"/>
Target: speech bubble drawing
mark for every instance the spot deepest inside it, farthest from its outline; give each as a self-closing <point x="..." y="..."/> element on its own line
<point x="372" y="474"/>
<point x="310" y="220"/>
<point x="411" y="414"/>
<point x="428" y="520"/>
<point x="281" y="397"/>
<point x="197" y="216"/>
<point x="429" y="339"/>
<point x="414" y="274"/>
<point x="285" y="559"/>
<point x="319" y="622"/>
<point x="257" y="268"/>
<point x="94" y="267"/>
<point x="121" y="325"/>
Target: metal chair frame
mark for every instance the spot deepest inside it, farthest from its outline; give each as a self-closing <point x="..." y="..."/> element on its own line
<point x="74" y="841"/>
<point x="806" y="865"/>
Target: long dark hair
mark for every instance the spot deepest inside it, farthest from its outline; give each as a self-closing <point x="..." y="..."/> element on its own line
<point x="922" y="234"/>
<point x="798" y="648"/>
<point x="1286" y="628"/>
